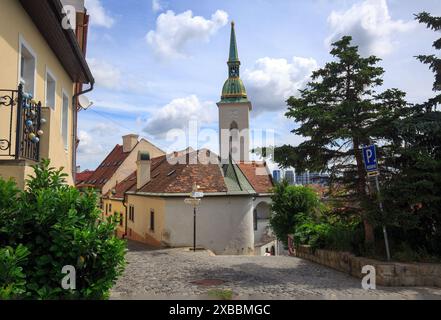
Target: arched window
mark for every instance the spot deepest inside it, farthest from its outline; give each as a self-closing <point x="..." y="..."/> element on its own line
<point x="234" y="133"/>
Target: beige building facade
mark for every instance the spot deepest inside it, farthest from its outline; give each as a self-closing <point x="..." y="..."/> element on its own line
<point x="48" y="70"/>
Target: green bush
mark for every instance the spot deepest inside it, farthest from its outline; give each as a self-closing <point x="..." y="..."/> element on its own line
<point x="12" y="278"/>
<point x="321" y="233"/>
<point x="288" y="202"/>
<point x="58" y="225"/>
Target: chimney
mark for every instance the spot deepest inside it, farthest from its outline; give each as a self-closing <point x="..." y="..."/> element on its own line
<point x="129" y="142"/>
<point x="142" y="169"/>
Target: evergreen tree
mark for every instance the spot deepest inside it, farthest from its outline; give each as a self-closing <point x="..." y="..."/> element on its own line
<point x="433" y="61"/>
<point x="339" y="112"/>
<point x="413" y="195"/>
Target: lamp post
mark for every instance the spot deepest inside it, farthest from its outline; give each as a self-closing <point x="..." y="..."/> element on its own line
<point x="194" y="200"/>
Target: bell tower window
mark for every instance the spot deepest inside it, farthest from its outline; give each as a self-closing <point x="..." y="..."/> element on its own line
<point x="234" y="71"/>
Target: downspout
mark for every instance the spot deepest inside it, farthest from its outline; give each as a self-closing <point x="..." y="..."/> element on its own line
<point x="74" y="136"/>
<point x="125" y="216"/>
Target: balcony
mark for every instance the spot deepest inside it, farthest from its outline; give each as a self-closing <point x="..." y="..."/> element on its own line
<point x="20" y="122"/>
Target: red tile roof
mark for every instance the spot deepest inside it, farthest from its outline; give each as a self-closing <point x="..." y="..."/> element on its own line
<point x="258" y="175"/>
<point x="107" y="168"/>
<point x="83" y="176"/>
<point x="121" y="187"/>
<point x="176" y="174"/>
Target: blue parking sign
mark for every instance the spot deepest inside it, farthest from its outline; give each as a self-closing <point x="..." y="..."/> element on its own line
<point x="370" y="158"/>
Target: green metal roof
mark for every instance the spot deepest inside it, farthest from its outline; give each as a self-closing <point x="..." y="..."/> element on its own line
<point x="233" y="90"/>
<point x="235" y="179"/>
<point x="234" y="56"/>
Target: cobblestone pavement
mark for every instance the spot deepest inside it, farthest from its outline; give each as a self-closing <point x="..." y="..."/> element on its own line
<point x="170" y="273"/>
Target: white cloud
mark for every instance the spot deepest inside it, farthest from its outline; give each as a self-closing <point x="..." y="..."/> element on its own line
<point x="370" y="25"/>
<point x="103" y="129"/>
<point x="98" y="15"/>
<point x="156" y="6"/>
<point x="272" y="81"/>
<point x="174" y="31"/>
<point x="105" y="74"/>
<point x="178" y="113"/>
<point x="111" y="77"/>
<point x="88" y="146"/>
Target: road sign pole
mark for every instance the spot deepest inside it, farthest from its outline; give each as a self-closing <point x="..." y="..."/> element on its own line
<point x="194" y="229"/>
<point x="371" y="165"/>
<point x="380" y="203"/>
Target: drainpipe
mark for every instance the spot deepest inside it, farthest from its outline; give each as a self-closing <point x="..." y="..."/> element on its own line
<point x="125" y="216"/>
<point x="74" y="136"/>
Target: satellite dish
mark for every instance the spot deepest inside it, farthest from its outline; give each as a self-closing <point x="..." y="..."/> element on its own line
<point x="84" y="102"/>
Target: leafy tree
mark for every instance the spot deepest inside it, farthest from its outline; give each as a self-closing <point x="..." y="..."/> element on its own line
<point x="287" y="203"/>
<point x="433" y="61"/>
<point x="12" y="278"/>
<point x="413" y="194"/>
<point x="339" y="112"/>
<point x="58" y="225"/>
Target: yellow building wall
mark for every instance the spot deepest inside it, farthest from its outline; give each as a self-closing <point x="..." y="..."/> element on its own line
<point x="140" y="228"/>
<point x="129" y="165"/>
<point x="15" y="23"/>
<point x="18" y="173"/>
<point x="117" y="207"/>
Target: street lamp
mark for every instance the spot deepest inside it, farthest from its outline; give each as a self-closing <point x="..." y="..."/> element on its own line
<point x="194" y="200"/>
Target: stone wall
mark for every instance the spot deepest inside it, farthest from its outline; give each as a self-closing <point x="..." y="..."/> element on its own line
<point x="387" y="273"/>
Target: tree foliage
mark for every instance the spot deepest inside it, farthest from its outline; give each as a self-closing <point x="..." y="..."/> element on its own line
<point x="340" y="111"/>
<point x="287" y="203"/>
<point x="57" y="225"/>
<point x="413" y="194"/>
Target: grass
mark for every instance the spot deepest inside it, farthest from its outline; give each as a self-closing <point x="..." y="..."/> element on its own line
<point x="221" y="294"/>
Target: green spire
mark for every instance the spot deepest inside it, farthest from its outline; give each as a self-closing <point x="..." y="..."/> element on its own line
<point x="234" y="57"/>
<point x="233" y="90"/>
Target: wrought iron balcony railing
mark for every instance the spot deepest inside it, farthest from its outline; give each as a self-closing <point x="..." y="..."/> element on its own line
<point x="20" y="122"/>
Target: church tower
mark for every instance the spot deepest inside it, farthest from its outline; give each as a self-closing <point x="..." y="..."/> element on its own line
<point x="234" y="109"/>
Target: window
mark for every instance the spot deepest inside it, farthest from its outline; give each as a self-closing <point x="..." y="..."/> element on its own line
<point x="64" y="119"/>
<point x="234" y="131"/>
<point x="121" y="219"/>
<point x="132" y="213"/>
<point x="152" y="220"/>
<point x="27" y="67"/>
<point x="50" y="90"/>
<point x="107" y="208"/>
<point x="110" y="207"/>
<point x="255" y="219"/>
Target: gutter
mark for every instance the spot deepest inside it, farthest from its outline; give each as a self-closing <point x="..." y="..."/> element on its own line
<point x="211" y="194"/>
<point x="74" y="125"/>
<point x="125" y="217"/>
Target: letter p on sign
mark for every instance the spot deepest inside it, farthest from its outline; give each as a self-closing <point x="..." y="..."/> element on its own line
<point x="370" y="158"/>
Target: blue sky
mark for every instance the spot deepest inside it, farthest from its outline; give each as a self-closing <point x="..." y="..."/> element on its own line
<point x="160" y="64"/>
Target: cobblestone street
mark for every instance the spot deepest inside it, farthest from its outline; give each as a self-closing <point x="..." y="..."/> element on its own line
<point x="171" y="273"/>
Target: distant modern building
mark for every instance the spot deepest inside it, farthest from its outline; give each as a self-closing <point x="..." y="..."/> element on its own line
<point x="289" y="176"/>
<point x="304" y="178"/>
<point x="277" y="176"/>
<point x="312" y="178"/>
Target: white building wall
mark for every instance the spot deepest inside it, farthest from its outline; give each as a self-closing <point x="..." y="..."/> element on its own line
<point x="263" y="227"/>
<point x="238" y="113"/>
<point x="223" y="224"/>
